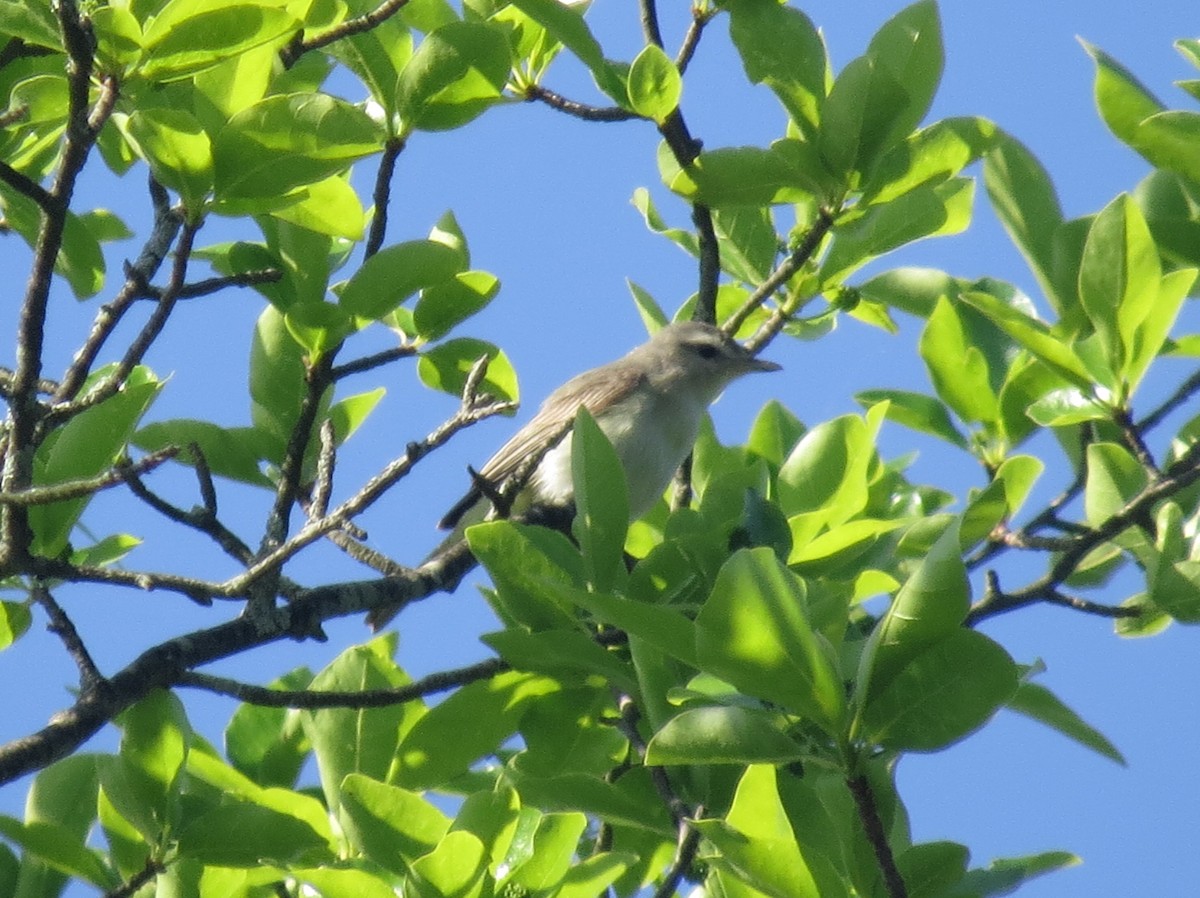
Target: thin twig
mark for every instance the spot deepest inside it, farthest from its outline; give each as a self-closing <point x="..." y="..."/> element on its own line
<point x="22" y="183"/>
<point x="685" y="855"/>
<point x="137" y="276"/>
<point x="691" y="40"/>
<point x="212" y="285"/>
<point x="578" y="110"/>
<point x="795" y="260"/>
<point x="132" y="885"/>
<point x="74" y="489"/>
<point x="650" y="27"/>
<point x="868" y="815"/>
<point x="323" y="481"/>
<point x="366" y="496"/>
<point x="62" y="627"/>
<point x="357" y="25"/>
<point x="369" y="698"/>
<point x="1135" y="442"/>
<point x="24" y="410"/>
<point x="1186" y="391"/>
<point x="141" y="344"/>
<point x="203" y="520"/>
<point x="370" y="362"/>
<point x="291" y="469"/>
<point x="382" y="195"/>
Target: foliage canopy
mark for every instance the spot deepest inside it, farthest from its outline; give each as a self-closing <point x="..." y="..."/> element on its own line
<point x="717" y="694"/>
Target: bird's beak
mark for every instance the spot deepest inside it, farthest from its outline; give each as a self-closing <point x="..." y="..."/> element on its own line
<point x="756" y="364"/>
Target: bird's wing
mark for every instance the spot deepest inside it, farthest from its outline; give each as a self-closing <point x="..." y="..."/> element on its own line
<point x="595" y="390"/>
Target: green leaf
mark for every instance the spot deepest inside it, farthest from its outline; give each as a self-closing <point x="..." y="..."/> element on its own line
<point x="58" y="848"/>
<point x="945" y="691"/>
<point x="492" y="817"/>
<point x="1151" y="334"/>
<point x="781" y="48"/>
<point x="1114" y="477"/>
<point x="753" y="632"/>
<point x="1038" y="702"/>
<point x="32" y="23"/>
<point x="445" y="367"/>
<point x="665" y="628"/>
<point x="722" y="735"/>
<point x="456" y="73"/>
<point x="80" y="258"/>
<point x="930" y="155"/>
<point x="735" y="176"/>
<point x="1026" y="203"/>
<point x="178" y="151"/>
<point x="268" y="744"/>
<point x="318" y="327"/>
<point x="376" y="56"/>
<point x="358" y="740"/>
<point x="1003" y="876"/>
<point x="926" y="211"/>
<point x="1168" y="140"/>
<point x="15" y="619"/>
<point x="823" y="481"/>
<point x="1069" y="405"/>
<point x="1119" y="277"/>
<point x="188" y="36"/>
<point x="654" y="84"/>
<point x="601" y="502"/>
<point x="527" y="567"/>
<point x="88" y="444"/>
<point x="288" y="141"/>
<point x="454" y="869"/>
<point x="916" y="410"/>
<point x="226" y="451"/>
<point x="684" y="239"/>
<point x="930" y="607"/>
<point x="276" y="382"/>
<point x="595" y="874"/>
<point x="958" y="369"/>
<point x="444" y="306"/>
<point x="861" y="118"/>
<point x="1034" y="336"/>
<point x="757" y="841"/>
<point x="471" y="723"/>
<point x="244" y="833"/>
<point x="389" y="825"/>
<point x="774" y="433"/>
<point x="393" y="274"/>
<point x="1124" y="102"/>
<point x="909" y="47"/>
<point x="329" y="206"/>
<point x="554" y="845"/>
<point x="145" y="780"/>
<point x="748" y="242"/>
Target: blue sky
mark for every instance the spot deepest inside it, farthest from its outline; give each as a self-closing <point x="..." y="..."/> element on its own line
<point x="544" y="201"/>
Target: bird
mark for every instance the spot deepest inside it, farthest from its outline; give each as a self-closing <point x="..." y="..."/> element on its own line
<point x="649" y="403"/>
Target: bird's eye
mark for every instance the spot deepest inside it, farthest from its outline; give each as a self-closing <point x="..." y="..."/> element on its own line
<point x="705" y="351"/>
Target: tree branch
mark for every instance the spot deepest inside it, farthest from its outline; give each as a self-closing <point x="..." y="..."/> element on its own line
<point x="797" y="259"/>
<point x="74" y="489"/>
<point x="367" y="363"/>
<point x="368" y="698"/>
<point x="382" y="195"/>
<point x="868" y="815"/>
<point x="579" y="110"/>
<point x="357" y="25"/>
<point x="137" y="276"/>
<point x="62" y="627"/>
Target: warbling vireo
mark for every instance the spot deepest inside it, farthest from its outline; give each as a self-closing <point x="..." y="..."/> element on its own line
<point x="649" y="404"/>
